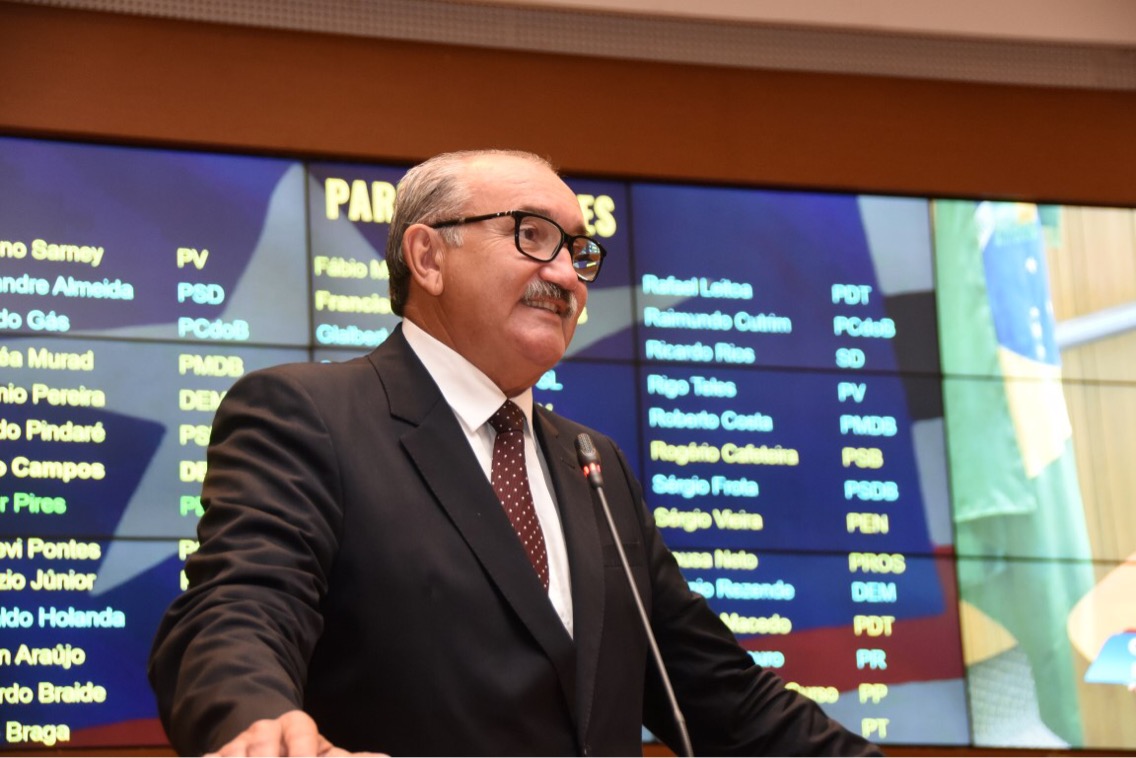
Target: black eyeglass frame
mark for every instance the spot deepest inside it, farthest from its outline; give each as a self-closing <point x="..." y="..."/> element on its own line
<point x="566" y="239"/>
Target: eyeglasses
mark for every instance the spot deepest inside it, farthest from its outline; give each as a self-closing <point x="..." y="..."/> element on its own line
<point x="541" y="239"/>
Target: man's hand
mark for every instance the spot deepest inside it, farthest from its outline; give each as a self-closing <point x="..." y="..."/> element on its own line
<point x="294" y="733"/>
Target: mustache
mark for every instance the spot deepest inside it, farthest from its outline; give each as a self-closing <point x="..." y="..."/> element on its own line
<point x="539" y="292"/>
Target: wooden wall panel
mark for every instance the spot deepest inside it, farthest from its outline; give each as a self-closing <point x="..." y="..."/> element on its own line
<point x="159" y="81"/>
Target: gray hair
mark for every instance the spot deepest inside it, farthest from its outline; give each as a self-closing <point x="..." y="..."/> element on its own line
<point x="433" y="191"/>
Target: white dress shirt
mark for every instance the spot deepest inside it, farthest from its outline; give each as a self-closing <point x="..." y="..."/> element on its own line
<point x="473" y="397"/>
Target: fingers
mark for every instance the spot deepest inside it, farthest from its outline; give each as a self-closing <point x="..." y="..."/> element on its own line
<point x="300" y="735"/>
<point x="294" y="733"/>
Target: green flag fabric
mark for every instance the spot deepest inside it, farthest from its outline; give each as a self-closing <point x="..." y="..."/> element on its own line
<point x="1020" y="533"/>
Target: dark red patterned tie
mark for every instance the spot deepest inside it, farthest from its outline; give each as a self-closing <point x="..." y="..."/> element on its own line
<point x="511" y="483"/>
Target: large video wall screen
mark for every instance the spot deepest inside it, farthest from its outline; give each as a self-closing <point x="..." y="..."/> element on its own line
<point x="870" y="428"/>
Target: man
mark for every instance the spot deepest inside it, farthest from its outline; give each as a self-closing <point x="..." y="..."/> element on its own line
<point x="359" y="583"/>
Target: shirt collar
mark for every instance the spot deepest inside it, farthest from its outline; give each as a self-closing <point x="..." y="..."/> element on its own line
<point x="470" y="393"/>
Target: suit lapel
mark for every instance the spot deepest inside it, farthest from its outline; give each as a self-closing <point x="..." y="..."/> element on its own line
<point x="585" y="557"/>
<point x="437" y="446"/>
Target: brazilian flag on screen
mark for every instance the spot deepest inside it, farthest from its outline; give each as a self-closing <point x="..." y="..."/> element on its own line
<point x="1020" y="531"/>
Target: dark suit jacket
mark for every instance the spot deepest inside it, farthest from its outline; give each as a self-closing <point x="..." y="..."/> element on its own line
<point x="356" y="563"/>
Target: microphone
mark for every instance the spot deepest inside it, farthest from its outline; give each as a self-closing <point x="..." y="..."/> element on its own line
<point x="589" y="460"/>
